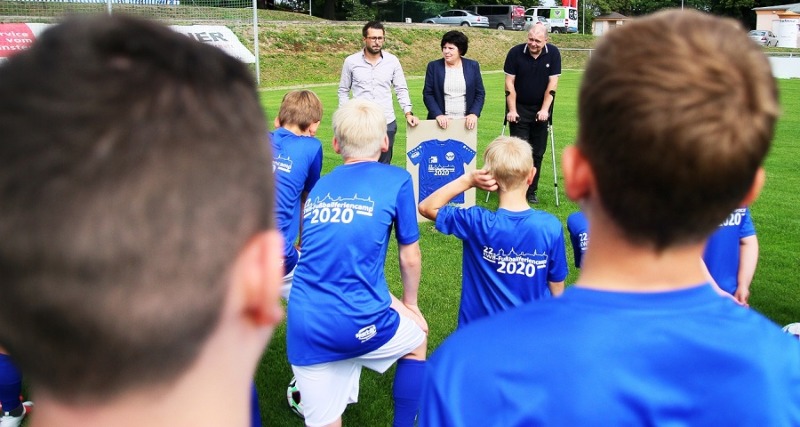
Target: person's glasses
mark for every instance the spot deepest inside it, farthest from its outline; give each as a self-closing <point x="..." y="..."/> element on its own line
<point x="375" y="39"/>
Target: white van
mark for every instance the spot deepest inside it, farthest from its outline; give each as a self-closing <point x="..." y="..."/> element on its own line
<point x="563" y="19"/>
<point x="502" y="17"/>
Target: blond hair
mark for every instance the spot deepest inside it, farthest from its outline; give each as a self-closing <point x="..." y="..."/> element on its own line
<point x="510" y="161"/>
<point x="360" y="128"/>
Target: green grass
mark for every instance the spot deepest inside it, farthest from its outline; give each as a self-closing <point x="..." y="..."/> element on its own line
<point x="774" y="289"/>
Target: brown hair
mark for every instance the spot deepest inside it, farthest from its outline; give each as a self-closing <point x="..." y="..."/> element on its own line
<point x="300" y="107"/>
<point x="133" y="169"/>
<point x="676" y="114"/>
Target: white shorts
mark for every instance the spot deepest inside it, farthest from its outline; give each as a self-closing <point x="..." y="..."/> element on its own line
<point x="327" y="388"/>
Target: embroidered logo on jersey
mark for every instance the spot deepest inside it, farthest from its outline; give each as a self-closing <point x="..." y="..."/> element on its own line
<point x="512" y="262"/>
<point x="433" y="159"/>
<point x="366" y="333"/>
<point x="283" y="164"/>
<point x="341" y="209"/>
<point x="414" y="154"/>
<point x="450" y="156"/>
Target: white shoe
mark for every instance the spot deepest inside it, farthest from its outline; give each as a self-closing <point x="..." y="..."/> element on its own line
<point x="7" y="420"/>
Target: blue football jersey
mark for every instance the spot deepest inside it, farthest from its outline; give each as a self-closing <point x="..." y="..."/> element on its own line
<point x="601" y="358"/>
<point x="578" y="228"/>
<point x="440" y="162"/>
<point x="296" y="163"/>
<point x="340" y="299"/>
<point x="722" y="250"/>
<point x="508" y="257"/>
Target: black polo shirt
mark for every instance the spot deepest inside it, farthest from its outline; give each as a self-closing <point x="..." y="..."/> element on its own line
<point x="532" y="75"/>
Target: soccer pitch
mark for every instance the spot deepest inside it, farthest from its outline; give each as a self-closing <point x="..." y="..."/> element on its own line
<point x="774" y="288"/>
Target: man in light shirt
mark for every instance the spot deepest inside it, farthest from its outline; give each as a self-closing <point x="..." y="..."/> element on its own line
<point x="370" y="74"/>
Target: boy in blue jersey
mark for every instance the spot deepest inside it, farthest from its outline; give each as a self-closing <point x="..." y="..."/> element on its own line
<point x="676" y="114"/>
<point x="341" y="316"/>
<point x="140" y="260"/>
<point x="512" y="256"/>
<point x="297" y="163"/>
<point x="578" y="228"/>
<point x="731" y="254"/>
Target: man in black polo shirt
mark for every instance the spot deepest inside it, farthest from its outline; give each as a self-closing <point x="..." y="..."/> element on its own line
<point x="532" y="71"/>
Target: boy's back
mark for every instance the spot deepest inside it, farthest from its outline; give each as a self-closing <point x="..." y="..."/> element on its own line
<point x="508" y="257"/>
<point x="607" y="358"/>
<point x="348" y="220"/>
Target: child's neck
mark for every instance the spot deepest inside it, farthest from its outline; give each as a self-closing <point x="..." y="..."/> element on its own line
<point x="296" y="130"/>
<point x="614" y="263"/>
<point x="513" y="200"/>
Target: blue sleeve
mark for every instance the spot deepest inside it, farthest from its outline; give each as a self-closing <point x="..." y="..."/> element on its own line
<point x="415" y="154"/>
<point x="480" y="92"/>
<point x="314" y="170"/>
<point x="406" y="227"/>
<point x="429" y="94"/>
<point x="467" y="153"/>
<point x="455" y="221"/>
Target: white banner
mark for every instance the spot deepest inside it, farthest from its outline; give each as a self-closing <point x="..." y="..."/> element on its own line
<point x="15" y="37"/>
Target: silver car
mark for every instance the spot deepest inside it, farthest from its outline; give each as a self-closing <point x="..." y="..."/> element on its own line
<point x="764" y="37"/>
<point x="458" y="17"/>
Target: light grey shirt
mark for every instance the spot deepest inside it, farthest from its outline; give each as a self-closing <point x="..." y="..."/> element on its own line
<point x="375" y="82"/>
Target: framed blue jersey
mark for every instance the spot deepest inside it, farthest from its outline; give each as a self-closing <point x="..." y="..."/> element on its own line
<point x="440" y="162"/>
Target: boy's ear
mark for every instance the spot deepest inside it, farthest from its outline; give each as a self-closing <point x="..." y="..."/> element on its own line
<point x="531" y="174"/>
<point x="755" y="188"/>
<point x="578" y="174"/>
<point x="385" y="144"/>
<point x="276" y="123"/>
<point x="312" y="129"/>
<point x="258" y="275"/>
<point x="336" y="147"/>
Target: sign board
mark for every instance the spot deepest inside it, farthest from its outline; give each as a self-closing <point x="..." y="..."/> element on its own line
<point x="436" y="156"/>
<point x="15" y="37"/>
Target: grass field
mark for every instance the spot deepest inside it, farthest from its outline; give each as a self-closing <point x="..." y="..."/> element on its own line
<point x="774" y="290"/>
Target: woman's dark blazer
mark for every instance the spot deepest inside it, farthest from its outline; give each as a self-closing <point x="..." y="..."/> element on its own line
<point x="433" y="92"/>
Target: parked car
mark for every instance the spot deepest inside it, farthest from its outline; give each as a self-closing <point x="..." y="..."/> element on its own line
<point x="458" y="17"/>
<point x="764" y="37"/>
<point x="501" y="16"/>
<point x="531" y="20"/>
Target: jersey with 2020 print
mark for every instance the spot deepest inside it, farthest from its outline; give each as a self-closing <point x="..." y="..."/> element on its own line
<point x="578" y="228"/>
<point x="296" y="163"/>
<point x="340" y="301"/>
<point x="439" y="163"/>
<point x="722" y="250"/>
<point x="508" y="257"/>
<point x="592" y="357"/>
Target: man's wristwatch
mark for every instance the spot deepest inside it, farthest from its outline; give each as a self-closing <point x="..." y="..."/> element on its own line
<point x="410" y="113"/>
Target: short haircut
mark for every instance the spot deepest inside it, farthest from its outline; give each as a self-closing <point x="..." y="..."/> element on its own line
<point x="375" y="25"/>
<point x="301" y="108"/>
<point x="133" y="170"/>
<point x="510" y="160"/>
<point x="457" y="39"/>
<point x="360" y="127"/>
<point x="538" y="28"/>
<point x="676" y="114"/>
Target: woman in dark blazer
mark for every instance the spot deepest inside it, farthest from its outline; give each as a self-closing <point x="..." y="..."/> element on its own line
<point x="453" y="85"/>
